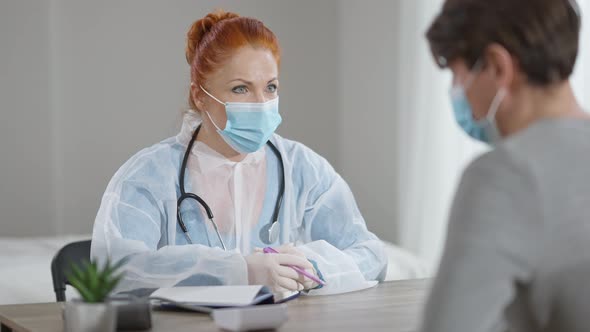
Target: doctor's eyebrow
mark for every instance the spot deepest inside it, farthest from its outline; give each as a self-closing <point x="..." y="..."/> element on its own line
<point x="250" y="83"/>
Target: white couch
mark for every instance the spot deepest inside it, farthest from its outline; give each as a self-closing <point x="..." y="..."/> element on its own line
<point x="25" y="267"/>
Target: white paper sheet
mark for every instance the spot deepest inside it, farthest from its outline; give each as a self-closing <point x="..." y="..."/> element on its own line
<point x="222" y="296"/>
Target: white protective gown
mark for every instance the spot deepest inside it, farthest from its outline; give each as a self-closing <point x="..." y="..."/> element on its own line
<point x="137" y="216"/>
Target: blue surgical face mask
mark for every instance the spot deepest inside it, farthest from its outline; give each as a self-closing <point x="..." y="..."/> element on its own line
<point x="249" y="125"/>
<point x="484" y="130"/>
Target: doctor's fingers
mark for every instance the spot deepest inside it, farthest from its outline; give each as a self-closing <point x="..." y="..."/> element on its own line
<point x="287" y="272"/>
<point x="288" y="284"/>
<point x="306" y="282"/>
<point x="290" y="249"/>
<point x="289" y="259"/>
<point x="303" y="280"/>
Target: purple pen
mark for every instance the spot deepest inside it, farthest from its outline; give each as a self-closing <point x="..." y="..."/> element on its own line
<point x="269" y="250"/>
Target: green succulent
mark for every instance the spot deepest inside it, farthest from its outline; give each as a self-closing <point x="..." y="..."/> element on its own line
<point x="95" y="283"/>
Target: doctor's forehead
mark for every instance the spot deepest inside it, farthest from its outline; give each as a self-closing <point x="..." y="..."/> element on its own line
<point x="250" y="64"/>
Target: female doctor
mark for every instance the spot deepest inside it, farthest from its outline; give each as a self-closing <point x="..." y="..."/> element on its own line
<point x="195" y="209"/>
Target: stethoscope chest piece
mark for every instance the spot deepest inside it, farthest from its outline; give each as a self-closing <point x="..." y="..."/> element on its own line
<point x="269" y="233"/>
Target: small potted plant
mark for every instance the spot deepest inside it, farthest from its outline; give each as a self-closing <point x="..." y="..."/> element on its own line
<point x="94" y="283"/>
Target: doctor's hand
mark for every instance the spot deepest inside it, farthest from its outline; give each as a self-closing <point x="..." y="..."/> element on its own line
<point x="270" y="270"/>
<point x="290" y="249"/>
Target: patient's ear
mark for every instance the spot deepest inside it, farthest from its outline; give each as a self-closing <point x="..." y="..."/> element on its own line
<point x="502" y="66"/>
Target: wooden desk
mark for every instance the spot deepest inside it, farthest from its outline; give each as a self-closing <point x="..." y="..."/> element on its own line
<point x="391" y="306"/>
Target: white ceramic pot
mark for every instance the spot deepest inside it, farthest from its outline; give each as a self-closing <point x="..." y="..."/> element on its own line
<point x="90" y="317"/>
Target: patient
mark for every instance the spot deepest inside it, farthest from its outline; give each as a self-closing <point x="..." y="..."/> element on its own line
<point x="516" y="256"/>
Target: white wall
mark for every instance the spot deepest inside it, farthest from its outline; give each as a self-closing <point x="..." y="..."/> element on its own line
<point x="119" y="83"/>
<point x="367" y="113"/>
<point x="26" y="203"/>
<point x="581" y="76"/>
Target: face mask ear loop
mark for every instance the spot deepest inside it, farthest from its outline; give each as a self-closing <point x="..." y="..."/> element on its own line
<point x="210" y="95"/>
<point x="213" y="122"/>
<point x="495" y="107"/>
<point x="206" y="112"/>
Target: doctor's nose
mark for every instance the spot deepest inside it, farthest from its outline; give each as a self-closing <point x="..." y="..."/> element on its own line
<point x="260" y="97"/>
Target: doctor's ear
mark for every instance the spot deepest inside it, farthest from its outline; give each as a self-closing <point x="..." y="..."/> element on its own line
<point x="502" y="66"/>
<point x="197" y="96"/>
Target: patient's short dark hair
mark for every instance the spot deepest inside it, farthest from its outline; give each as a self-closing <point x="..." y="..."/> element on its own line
<point x="542" y="35"/>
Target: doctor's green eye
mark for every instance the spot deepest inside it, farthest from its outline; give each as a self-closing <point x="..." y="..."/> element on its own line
<point x="241" y="89"/>
<point x="272" y="88"/>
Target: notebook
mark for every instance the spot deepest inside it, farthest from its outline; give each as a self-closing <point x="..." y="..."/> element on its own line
<point x="207" y="298"/>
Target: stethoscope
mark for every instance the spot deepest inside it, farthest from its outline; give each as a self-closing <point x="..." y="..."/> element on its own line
<point x="269" y="233"/>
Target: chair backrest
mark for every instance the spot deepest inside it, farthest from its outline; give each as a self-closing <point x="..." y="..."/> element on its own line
<point x="73" y="253"/>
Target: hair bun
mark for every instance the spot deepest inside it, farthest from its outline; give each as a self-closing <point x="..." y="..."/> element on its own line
<point x="200" y="28"/>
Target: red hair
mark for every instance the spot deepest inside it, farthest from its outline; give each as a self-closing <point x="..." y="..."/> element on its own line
<point x="212" y="40"/>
